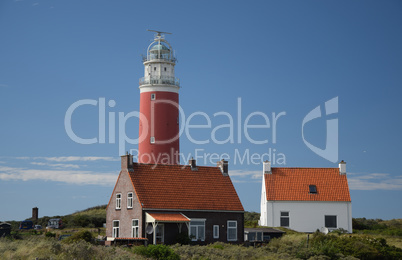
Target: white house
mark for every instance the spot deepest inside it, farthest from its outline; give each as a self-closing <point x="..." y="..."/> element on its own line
<point x="306" y="199"/>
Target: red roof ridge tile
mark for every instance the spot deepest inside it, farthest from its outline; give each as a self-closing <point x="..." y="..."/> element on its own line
<point x="304" y="168"/>
<point x="178" y="165"/>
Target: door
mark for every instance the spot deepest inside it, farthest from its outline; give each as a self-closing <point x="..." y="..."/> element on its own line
<point x="160" y="233"/>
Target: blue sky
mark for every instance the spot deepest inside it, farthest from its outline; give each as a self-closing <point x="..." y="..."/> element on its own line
<point x="270" y="56"/>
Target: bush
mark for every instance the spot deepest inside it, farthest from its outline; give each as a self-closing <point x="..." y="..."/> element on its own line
<point x="15" y="235"/>
<point x="218" y="245"/>
<point x="156" y="252"/>
<point x="50" y="234"/>
<point x="183" y="238"/>
<point x="81" y="235"/>
<point x="43" y="248"/>
<point x="336" y="246"/>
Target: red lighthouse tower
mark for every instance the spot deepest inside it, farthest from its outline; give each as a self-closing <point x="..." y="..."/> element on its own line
<point x="159" y="105"/>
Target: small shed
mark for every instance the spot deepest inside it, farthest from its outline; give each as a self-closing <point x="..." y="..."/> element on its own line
<point x="261" y="234"/>
<point x="5" y="229"/>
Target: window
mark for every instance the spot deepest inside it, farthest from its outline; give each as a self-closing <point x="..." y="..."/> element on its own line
<point x="165" y="68"/>
<point x="116" y="228"/>
<point x="259" y="236"/>
<point x="232" y="230"/>
<point x="152" y="140"/>
<point x="312" y="189"/>
<point x="251" y="236"/>
<point x="255" y="236"/>
<point x="285" y="219"/>
<point x="135" y="228"/>
<point x="266" y="236"/>
<point x="197" y="230"/>
<point x="216" y="231"/>
<point x="330" y="222"/>
<point x="160" y="233"/>
<point x="118" y="201"/>
<point x="153" y="96"/>
<point x="130" y="200"/>
<point x="154" y="68"/>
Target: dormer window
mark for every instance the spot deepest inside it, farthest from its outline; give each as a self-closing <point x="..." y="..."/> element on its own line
<point x="313" y="189"/>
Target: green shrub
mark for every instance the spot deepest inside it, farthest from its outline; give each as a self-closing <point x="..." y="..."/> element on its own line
<point x="50" y="234"/>
<point x="336" y="246"/>
<point x="156" y="252"/>
<point x="81" y="235"/>
<point x="183" y="238"/>
<point x="15" y="235"/>
<point x="218" y="245"/>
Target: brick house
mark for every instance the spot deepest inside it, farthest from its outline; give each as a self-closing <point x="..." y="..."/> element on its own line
<point x="159" y="201"/>
<point x="306" y="199"/>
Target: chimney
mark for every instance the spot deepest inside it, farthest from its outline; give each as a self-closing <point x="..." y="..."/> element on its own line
<point x="342" y="167"/>
<point x="193" y="164"/>
<point x="266" y="166"/>
<point x="35" y="214"/>
<point x="127" y="162"/>
<point x="223" y="165"/>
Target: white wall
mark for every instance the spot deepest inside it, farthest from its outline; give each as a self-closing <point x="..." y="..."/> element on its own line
<point x="308" y="216"/>
<point x="160" y="69"/>
<point x="263" y="206"/>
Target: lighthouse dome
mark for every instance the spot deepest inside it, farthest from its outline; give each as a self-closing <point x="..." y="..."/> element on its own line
<point x="158" y="47"/>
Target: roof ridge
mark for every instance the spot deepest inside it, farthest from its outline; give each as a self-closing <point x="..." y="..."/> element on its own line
<point x="178" y="165"/>
<point x="304" y="167"/>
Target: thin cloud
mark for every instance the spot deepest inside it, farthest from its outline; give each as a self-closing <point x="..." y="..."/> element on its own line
<point x="65" y="176"/>
<point x="23" y="158"/>
<point x="243" y="176"/>
<point x="4" y="86"/>
<point x="57" y="165"/>
<point x="71" y="158"/>
<point x="78" y="158"/>
<point x="374" y="181"/>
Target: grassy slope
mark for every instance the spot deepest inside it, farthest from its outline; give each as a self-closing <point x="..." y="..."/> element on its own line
<point x="94" y="211"/>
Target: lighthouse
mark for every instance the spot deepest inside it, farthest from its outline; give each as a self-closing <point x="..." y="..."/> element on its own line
<point x="159" y="105"/>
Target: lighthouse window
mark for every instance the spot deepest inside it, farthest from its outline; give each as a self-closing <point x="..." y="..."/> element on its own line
<point x="165" y="68"/>
<point x="152" y="139"/>
<point x="154" y="68"/>
<point x="153" y="96"/>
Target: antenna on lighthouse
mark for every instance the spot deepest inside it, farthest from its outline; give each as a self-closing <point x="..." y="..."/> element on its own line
<point x="158" y="33"/>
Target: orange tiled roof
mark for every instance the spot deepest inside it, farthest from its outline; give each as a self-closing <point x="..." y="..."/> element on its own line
<point x="292" y="184"/>
<point x="169" y="217"/>
<point x="178" y="187"/>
